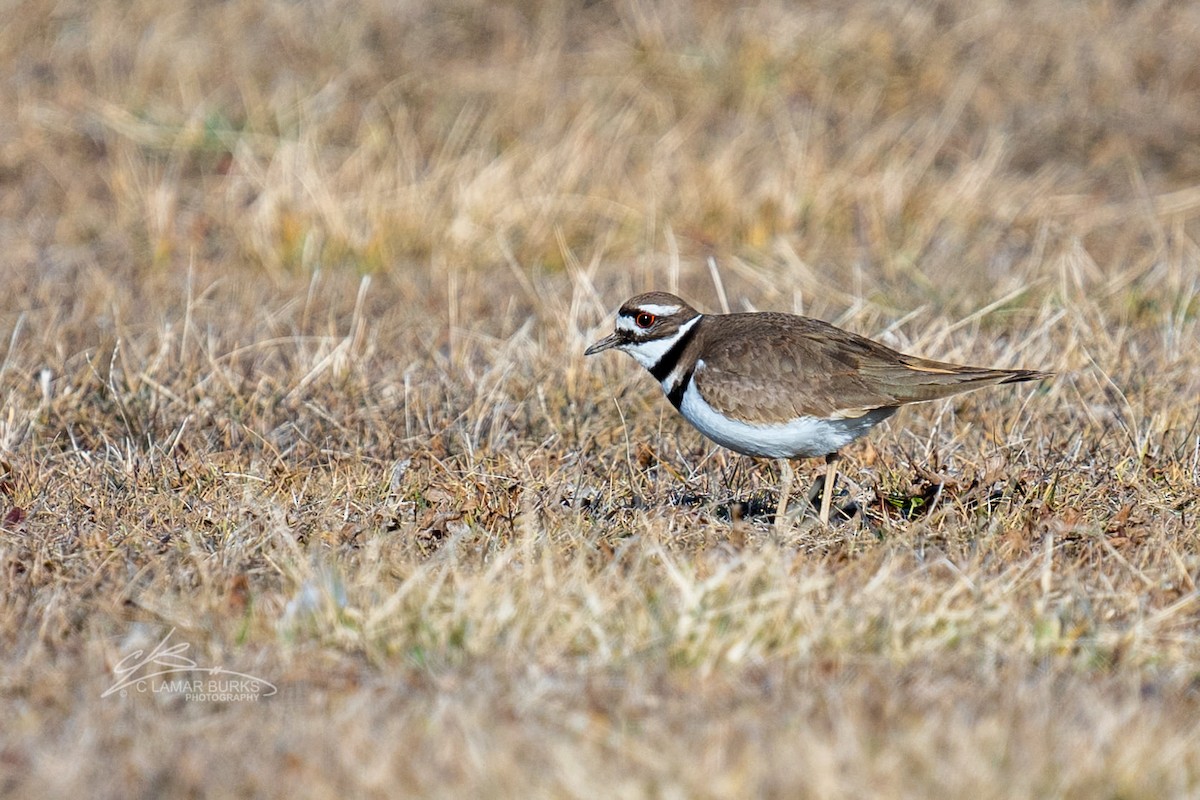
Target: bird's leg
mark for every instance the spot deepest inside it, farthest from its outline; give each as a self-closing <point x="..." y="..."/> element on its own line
<point x="830" y="477"/>
<point x="785" y="488"/>
<point x="731" y="475"/>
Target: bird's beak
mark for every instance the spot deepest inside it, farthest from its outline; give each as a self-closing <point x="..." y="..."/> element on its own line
<point x="612" y="340"/>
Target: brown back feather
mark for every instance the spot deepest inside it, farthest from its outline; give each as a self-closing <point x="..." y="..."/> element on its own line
<point x="822" y="370"/>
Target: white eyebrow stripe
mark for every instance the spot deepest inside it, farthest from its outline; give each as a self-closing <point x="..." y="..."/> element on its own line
<point x="660" y="311"/>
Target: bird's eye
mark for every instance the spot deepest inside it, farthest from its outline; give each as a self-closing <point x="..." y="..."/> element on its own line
<point x="644" y="320"/>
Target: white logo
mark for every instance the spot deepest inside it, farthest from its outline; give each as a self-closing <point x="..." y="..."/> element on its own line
<point x="167" y="669"/>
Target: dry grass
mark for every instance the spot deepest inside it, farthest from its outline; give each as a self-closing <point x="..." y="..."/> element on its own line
<point x="295" y="301"/>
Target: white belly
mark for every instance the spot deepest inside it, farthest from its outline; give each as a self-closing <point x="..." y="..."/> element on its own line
<point x="805" y="437"/>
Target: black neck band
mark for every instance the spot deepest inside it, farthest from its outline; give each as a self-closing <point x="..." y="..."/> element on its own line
<point x="676" y="393"/>
<point x="663" y="368"/>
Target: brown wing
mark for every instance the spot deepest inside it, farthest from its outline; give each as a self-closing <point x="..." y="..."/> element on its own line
<point x="771" y="367"/>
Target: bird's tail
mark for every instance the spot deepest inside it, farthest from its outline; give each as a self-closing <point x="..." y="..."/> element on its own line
<point x="917" y="379"/>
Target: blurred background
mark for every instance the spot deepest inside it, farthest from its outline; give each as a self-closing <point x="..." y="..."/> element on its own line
<point x="930" y="152"/>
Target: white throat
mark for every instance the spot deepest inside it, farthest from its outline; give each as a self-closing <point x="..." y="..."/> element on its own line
<point x="650" y="351"/>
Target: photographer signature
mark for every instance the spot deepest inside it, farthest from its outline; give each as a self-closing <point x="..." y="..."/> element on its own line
<point x="135" y="668"/>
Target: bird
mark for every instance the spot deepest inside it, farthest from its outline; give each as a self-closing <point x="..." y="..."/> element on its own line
<point x="778" y="385"/>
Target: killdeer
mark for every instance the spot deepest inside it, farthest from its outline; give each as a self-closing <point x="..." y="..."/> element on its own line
<point x="780" y="385"/>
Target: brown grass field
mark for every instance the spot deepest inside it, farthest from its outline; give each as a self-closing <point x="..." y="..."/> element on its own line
<point x="295" y="299"/>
